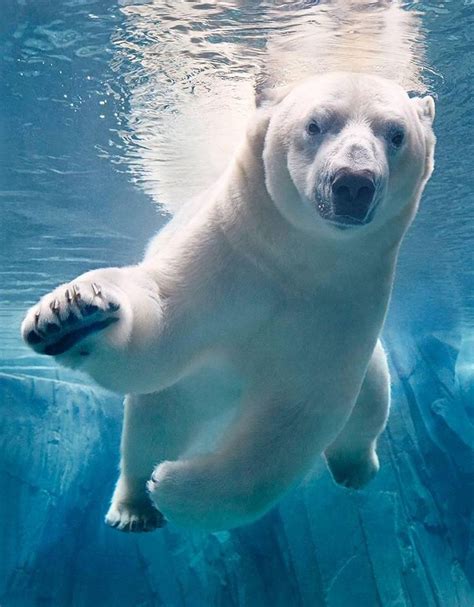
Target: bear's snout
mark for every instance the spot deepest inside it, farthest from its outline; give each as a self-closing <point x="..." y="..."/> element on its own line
<point x="352" y="195"/>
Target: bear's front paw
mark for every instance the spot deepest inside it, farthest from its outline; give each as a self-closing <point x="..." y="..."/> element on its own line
<point x="69" y="314"/>
<point x="353" y="470"/>
<point x="134" y="517"/>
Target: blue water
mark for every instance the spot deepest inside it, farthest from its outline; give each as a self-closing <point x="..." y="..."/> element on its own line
<point x="79" y="108"/>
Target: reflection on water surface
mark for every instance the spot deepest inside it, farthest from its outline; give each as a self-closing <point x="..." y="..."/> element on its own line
<point x="192" y="69"/>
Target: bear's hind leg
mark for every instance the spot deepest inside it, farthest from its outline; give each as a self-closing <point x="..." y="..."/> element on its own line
<point x="352" y="458"/>
<point x="268" y="448"/>
<point x="155" y="428"/>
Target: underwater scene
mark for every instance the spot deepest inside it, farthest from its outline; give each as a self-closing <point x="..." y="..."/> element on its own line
<point x="114" y="112"/>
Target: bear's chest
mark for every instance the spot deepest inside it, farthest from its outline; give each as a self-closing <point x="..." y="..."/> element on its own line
<point x="313" y="339"/>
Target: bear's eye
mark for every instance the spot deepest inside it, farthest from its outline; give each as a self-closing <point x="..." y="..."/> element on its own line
<point x="397" y="137"/>
<point x="313" y="128"/>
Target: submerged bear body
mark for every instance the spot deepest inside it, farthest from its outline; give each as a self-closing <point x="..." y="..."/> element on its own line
<point x="282" y="272"/>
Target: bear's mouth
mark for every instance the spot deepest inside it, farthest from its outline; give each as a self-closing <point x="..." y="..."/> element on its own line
<point x="345" y="220"/>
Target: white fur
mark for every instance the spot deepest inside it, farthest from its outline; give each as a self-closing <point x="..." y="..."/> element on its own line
<point x="253" y="278"/>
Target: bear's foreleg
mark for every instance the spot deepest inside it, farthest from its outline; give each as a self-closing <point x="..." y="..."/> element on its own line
<point x="156" y="427"/>
<point x="352" y="457"/>
<point x="107" y="323"/>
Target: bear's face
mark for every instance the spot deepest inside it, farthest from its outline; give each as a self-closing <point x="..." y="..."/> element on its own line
<point x="345" y="153"/>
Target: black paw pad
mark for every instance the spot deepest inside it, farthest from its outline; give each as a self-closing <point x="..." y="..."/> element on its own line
<point x="113" y="307"/>
<point x="72" y="318"/>
<point x="33" y="338"/>
<point x="51" y="327"/>
<point x="89" y="309"/>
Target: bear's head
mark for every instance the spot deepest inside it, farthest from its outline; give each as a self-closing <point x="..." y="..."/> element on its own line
<point x="346" y="153"/>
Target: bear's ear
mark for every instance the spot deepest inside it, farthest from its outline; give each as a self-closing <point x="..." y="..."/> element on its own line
<point x="425" y="107"/>
<point x="268" y="97"/>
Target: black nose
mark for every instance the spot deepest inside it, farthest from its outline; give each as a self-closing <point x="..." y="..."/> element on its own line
<point x="353" y="193"/>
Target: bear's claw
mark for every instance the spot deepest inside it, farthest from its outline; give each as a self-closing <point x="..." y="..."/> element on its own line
<point x="134" y="517"/>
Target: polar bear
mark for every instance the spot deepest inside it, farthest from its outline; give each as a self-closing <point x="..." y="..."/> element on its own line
<point x="281" y="272"/>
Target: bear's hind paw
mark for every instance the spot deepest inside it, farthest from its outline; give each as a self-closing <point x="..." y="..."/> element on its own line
<point x="353" y="471"/>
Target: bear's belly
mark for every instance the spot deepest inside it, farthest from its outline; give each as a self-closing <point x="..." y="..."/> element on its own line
<point x="322" y="350"/>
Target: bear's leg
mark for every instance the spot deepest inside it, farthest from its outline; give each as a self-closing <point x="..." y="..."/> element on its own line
<point x="107" y="323"/>
<point x="156" y="427"/>
<point x="271" y="445"/>
<point x="352" y="458"/>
